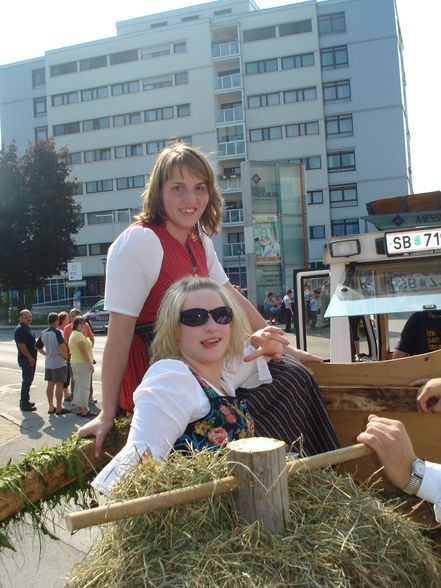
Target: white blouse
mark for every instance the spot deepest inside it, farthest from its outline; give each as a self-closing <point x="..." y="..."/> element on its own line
<point x="167" y="400"/>
<point x="430" y="488"/>
<point x="133" y="265"/>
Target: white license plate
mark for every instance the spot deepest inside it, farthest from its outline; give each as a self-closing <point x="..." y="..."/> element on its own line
<point x="416" y="241"/>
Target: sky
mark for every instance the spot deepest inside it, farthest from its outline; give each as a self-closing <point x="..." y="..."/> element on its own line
<point x="28" y="28"/>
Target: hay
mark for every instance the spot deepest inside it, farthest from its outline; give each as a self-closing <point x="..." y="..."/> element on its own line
<point x="340" y="535"/>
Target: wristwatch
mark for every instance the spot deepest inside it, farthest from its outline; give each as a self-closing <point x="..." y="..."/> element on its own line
<point x="418" y="468"/>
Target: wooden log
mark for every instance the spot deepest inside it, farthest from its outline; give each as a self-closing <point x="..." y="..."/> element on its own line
<point x="393" y="372"/>
<point x="37" y="485"/>
<point x="117" y="511"/>
<point x="260" y="466"/>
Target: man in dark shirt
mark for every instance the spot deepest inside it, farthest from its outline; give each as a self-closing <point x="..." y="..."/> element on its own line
<point x="420" y="334"/>
<point x="27" y="357"/>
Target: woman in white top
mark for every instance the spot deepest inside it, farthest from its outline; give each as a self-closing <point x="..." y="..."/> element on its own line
<point x="189" y="398"/>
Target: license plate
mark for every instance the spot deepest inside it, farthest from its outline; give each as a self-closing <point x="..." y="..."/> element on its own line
<point x="411" y="242"/>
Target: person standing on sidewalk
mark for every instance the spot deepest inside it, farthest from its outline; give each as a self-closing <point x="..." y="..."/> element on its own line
<point x="52" y="345"/>
<point x="287" y="302"/>
<point x="73" y="313"/>
<point x="24" y="338"/>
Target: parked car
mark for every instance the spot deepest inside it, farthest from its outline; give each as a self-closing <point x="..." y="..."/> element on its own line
<point x="97" y="317"/>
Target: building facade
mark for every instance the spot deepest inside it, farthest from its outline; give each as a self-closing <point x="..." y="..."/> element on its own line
<point x="317" y="82"/>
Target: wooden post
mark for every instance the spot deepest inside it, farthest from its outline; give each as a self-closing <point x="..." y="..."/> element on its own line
<point x="260" y="466"/>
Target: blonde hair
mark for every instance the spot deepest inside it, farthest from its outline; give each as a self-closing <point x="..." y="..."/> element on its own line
<point x="166" y="341"/>
<point x="180" y="155"/>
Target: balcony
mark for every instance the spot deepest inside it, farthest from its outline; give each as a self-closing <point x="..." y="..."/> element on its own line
<point x="229" y="115"/>
<point x="231" y="149"/>
<point x="233" y="216"/>
<point x="233" y="249"/>
<point x="232" y="184"/>
<point x="226" y="83"/>
<point x="227" y="49"/>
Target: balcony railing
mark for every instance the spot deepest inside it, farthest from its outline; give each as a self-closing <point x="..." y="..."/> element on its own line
<point x="229" y="115"/>
<point x="231" y="148"/>
<point x="230" y="184"/>
<point x="230" y="82"/>
<point x="233" y="249"/>
<point x="226" y="49"/>
<point x="232" y="216"/>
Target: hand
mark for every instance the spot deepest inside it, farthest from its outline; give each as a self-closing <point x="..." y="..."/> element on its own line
<point x="91" y="367"/>
<point x="392" y="444"/>
<point x="98" y="427"/>
<point x="270" y="342"/>
<point x="429" y="396"/>
<point x="31" y="361"/>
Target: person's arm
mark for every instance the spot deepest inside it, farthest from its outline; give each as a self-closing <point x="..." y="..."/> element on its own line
<point x="405" y="343"/>
<point x="397" y="354"/>
<point x="89" y="334"/>
<point x="114" y="363"/>
<point x="24" y="350"/>
<point x="429" y="396"/>
<point x="39" y="346"/>
<point x="258" y="322"/>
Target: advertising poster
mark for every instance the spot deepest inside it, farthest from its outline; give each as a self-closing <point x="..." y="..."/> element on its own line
<point x="266" y="229"/>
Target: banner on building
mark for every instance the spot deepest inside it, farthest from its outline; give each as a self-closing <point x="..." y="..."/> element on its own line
<point x="266" y="228"/>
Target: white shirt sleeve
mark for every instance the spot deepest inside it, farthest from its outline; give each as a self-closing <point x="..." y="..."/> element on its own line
<point x="430" y="488"/>
<point x="133" y="265"/>
<point x="168" y="398"/>
<point x="215" y="269"/>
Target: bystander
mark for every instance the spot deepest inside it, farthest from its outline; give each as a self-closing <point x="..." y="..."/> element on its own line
<point x="24" y="338"/>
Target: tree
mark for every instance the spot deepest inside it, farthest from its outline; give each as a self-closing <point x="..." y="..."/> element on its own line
<point x="38" y="217"/>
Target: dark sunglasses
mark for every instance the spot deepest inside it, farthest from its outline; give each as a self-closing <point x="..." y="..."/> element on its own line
<point x="195" y="317"/>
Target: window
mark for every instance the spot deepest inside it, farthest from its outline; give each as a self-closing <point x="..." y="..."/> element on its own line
<point x="94" y="93"/>
<point x="260" y="100"/>
<point x="97" y="155"/>
<point x="80" y="250"/>
<point x="99" y="186"/>
<point x="294" y="61"/>
<point x="157" y="82"/>
<point x="102" y="217"/>
<point x="124" y="56"/>
<point x="40" y="134"/>
<point x="38" y="78"/>
<point x="295" y="28"/>
<point x="158" y="114"/>
<point x="264" y="66"/>
<point x="332" y="23"/>
<point x="300" y="95"/>
<point x="183" y="110"/>
<point x="40" y="106"/>
<point x="340" y="90"/>
<point x="73" y="158"/>
<point x="125" y="88"/>
<point x="93" y="62"/>
<point x="157" y="25"/>
<point x="95" y="124"/>
<point x="66" y="129"/>
<point x="340" y="124"/>
<point x="155" y="51"/>
<point x="317" y="232"/>
<point x="222" y="12"/>
<point x="64" y="68"/>
<point x="180" y="47"/>
<point x="99" y="248"/>
<point x="300" y="129"/>
<point x="341" y="161"/>
<point x="63" y="99"/>
<point x="181" y="78"/>
<point x="156" y="146"/>
<point x="132" y="118"/>
<point x="334" y="57"/>
<point x="314" y="197"/>
<point x="130" y="182"/>
<point x="189" y="18"/>
<point x="128" y="150"/>
<point x="313" y="162"/>
<point x="259" y="34"/>
<point x="344" y="195"/>
<point x="78" y="189"/>
<point x="266" y="134"/>
<point x="347" y="226"/>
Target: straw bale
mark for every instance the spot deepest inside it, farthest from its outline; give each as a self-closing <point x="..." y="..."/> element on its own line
<point x="340" y="535"/>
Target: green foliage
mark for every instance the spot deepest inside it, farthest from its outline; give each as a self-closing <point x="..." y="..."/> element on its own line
<point x="38" y="216"/>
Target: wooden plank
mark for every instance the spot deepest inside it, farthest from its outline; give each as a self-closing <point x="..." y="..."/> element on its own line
<point x="372" y="399"/>
<point x="393" y="372"/>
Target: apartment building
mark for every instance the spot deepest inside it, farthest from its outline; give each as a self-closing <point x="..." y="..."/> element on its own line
<point x="316" y="82"/>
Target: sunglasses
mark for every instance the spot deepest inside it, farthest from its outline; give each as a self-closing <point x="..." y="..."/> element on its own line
<point x="196" y="317"/>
